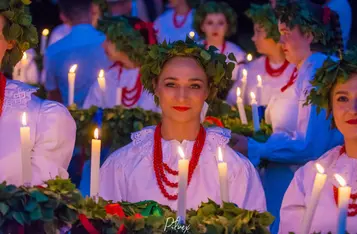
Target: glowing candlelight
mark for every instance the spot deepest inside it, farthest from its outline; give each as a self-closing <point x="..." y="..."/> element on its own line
<point x="223" y="178"/>
<point x="183" y="178"/>
<point x="240" y="105"/>
<point x="25" y="151"/>
<point x="71" y="81"/>
<point x="259" y="90"/>
<point x="192" y="34"/>
<point x="344" y="193"/>
<point x="255" y="114"/>
<point x="95" y="164"/>
<point x="249" y="57"/>
<point x="101" y="82"/>
<point x="44" y="38"/>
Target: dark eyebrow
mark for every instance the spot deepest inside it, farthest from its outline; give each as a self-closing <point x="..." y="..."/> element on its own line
<point x="196" y="79"/>
<point x="170" y="78"/>
<point x="192" y="79"/>
<point x="341" y="92"/>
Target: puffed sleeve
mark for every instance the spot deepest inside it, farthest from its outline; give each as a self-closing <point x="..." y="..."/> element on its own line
<point x="293" y="206"/>
<point x="313" y="137"/>
<point x="93" y="97"/>
<point x="54" y="143"/>
<point x="246" y="181"/>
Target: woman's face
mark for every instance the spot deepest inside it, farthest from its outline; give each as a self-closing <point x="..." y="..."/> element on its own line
<point x="294" y="44"/>
<point x="262" y="43"/>
<point x="182" y="88"/>
<point x="215" y="26"/>
<point x="344" y="107"/>
<point x="117" y="56"/>
<point x="4" y="45"/>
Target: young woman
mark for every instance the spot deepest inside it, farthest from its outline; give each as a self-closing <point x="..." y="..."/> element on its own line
<point x="181" y="76"/>
<point x="272" y="66"/>
<point x="214" y="21"/>
<point x="127" y="41"/>
<point x="335" y="88"/>
<point x="52" y="129"/>
<point x="300" y="133"/>
<point x="175" y="24"/>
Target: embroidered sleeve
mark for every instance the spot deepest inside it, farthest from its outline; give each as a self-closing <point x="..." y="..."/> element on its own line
<point x="17" y="95"/>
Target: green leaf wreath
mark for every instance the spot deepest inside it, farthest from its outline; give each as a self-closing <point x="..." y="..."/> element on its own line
<point x="331" y="73"/>
<point x="213" y="8"/>
<point x="264" y="16"/>
<point x="19" y="29"/>
<point x="218" y="71"/>
<point x="124" y="36"/>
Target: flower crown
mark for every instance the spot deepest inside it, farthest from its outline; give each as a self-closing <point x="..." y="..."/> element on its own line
<point x="219" y="72"/>
<point x="127" y="39"/>
<point x="331" y="73"/>
<point x="264" y="16"/>
<point x="212" y="8"/>
<point x="18" y="28"/>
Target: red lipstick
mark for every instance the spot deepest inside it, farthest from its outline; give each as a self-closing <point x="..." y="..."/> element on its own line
<point x="352" y="121"/>
<point x="181" y="108"/>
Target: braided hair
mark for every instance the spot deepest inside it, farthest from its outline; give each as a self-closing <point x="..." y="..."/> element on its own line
<point x="336" y="25"/>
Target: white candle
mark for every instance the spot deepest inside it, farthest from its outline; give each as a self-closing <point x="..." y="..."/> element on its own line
<point x="101" y="82"/>
<point x="23" y="67"/>
<point x="344" y="193"/>
<point x="95" y="164"/>
<point x="119" y="96"/>
<point x="44" y="38"/>
<point x="192" y="35"/>
<point x="71" y="81"/>
<point x="25" y="152"/>
<point x="182" y="185"/>
<point x="242" y="115"/>
<point x="223" y="178"/>
<point x="319" y="183"/>
<point x="255" y="114"/>
<point x="259" y="90"/>
<point x="244" y="82"/>
<point x="249" y="57"/>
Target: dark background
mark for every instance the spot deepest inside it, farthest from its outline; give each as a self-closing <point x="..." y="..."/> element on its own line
<point x="45" y="15"/>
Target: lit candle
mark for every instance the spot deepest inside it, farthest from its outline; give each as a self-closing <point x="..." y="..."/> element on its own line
<point x="255" y="114"/>
<point x="25" y="152"/>
<point x="101" y="82"/>
<point x="319" y="183"/>
<point x="242" y="115"/>
<point x="71" y="79"/>
<point x="23" y="67"/>
<point x="249" y="57"/>
<point x="344" y="193"/>
<point x="44" y="37"/>
<point x="223" y="178"/>
<point x="259" y="90"/>
<point x="95" y="164"/>
<point x="119" y="96"/>
<point x="192" y="35"/>
<point x="244" y="81"/>
<point x="182" y="185"/>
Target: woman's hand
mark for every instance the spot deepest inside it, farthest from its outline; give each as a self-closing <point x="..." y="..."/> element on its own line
<point x="239" y="143"/>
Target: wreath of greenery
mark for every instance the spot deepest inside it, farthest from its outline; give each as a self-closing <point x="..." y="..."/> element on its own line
<point x="264" y="16"/>
<point x="218" y="71"/>
<point x="331" y="73"/>
<point x="307" y="16"/>
<point x="214" y="8"/>
<point x="124" y="36"/>
<point x="19" y="29"/>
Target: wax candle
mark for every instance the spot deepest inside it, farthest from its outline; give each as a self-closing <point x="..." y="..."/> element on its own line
<point x="25" y="152"/>
<point x="192" y="35"/>
<point x="182" y="185"/>
<point x="23" y="68"/>
<point x="44" y="38"/>
<point x="249" y="57"/>
<point x="319" y="183"/>
<point x="71" y="81"/>
<point x="344" y="193"/>
<point x="95" y="164"/>
<point x="255" y="114"/>
<point x="119" y="96"/>
<point x="240" y="105"/>
<point x="244" y="82"/>
<point x="259" y="90"/>
<point x="223" y="178"/>
<point x="101" y="82"/>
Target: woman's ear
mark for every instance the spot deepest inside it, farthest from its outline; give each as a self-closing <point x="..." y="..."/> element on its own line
<point x="309" y="37"/>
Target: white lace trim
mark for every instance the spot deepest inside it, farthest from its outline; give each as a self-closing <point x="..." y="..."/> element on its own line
<point x="17" y="95"/>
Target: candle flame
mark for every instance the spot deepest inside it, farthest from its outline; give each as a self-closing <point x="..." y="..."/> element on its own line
<point x="101" y="74"/>
<point x="220" y="155"/>
<point x="320" y="168"/>
<point x="340" y="180"/>
<point x="252" y="95"/>
<point x="192" y="34"/>
<point x="73" y="68"/>
<point x="24" y="56"/>
<point x="238" y="91"/>
<point x="181" y="153"/>
<point x="245" y="72"/>
<point x="96" y="133"/>
<point x="45" y="32"/>
<point x="249" y="57"/>
<point x="24" y="119"/>
<point x="259" y="78"/>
